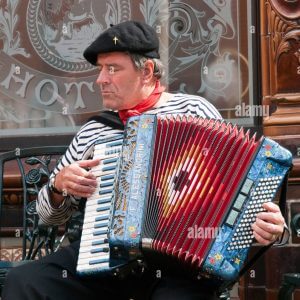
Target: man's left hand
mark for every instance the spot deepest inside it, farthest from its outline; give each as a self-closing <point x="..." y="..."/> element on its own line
<point x="269" y="225"/>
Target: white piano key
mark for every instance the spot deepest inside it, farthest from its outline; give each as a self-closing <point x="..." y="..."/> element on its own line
<point x="98" y="201"/>
<point x="91" y="237"/>
<point x="89" y="243"/>
<point x="84" y="259"/>
<point x="97" y="196"/>
<point x="99" y="216"/>
<point x="91" y="201"/>
<point x="92" y="231"/>
<point x="91" y="256"/>
<point x="89" y="248"/>
<point x="94" y="202"/>
<point x="95" y="225"/>
<point x="94" y="196"/>
<point x="96" y="218"/>
<point x="99" y="173"/>
<point x="92" y="217"/>
<point x="94" y="208"/>
<point x="87" y="267"/>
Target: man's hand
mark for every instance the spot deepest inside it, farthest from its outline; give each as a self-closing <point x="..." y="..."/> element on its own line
<point x="76" y="180"/>
<point x="269" y="225"/>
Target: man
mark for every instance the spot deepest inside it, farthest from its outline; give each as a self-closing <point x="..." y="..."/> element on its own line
<point x="129" y="78"/>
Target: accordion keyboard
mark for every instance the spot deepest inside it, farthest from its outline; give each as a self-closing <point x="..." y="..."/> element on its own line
<point x="94" y="247"/>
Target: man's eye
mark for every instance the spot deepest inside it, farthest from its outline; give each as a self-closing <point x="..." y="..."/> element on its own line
<point x="111" y="70"/>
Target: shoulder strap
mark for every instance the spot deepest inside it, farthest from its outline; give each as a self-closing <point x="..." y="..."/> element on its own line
<point x="109" y="118"/>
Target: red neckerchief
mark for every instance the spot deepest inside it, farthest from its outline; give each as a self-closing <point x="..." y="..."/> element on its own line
<point x="143" y="105"/>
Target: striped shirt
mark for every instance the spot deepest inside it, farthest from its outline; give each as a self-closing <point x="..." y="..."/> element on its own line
<point x="84" y="140"/>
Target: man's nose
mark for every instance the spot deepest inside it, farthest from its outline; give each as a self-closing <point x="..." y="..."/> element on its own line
<point x="103" y="77"/>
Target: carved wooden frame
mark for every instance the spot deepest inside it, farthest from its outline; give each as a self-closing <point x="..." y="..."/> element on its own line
<point x="280" y="29"/>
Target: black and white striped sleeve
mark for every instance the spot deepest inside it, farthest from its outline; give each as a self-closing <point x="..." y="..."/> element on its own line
<point x="49" y="214"/>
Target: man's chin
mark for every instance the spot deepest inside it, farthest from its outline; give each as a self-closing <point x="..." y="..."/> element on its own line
<point x="110" y="106"/>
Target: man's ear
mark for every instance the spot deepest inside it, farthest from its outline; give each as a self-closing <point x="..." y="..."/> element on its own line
<point x="148" y="71"/>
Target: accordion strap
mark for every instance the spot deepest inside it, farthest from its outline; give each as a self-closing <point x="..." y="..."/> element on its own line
<point x="262" y="250"/>
<point x="109" y="118"/>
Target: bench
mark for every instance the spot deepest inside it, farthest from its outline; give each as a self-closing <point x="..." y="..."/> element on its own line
<point x="34" y="166"/>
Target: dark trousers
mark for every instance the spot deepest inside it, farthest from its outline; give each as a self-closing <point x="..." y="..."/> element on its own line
<point x="54" y="278"/>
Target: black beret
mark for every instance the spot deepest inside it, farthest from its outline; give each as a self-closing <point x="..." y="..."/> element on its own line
<point x="131" y="36"/>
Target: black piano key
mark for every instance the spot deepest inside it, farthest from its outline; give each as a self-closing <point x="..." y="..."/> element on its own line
<point x="98" y="250"/>
<point x="107" y="177"/>
<point x="98" y="261"/>
<point x="102" y="208"/>
<point x="100" y="232"/>
<point x="97" y="243"/>
<point x="109" y="160"/>
<point x="101" y="218"/>
<point x="106" y="184"/>
<point x="107" y="191"/>
<point x="100" y="225"/>
<point x="109" y="168"/>
<point x="102" y="201"/>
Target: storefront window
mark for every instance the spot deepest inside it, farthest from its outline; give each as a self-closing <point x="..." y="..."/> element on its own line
<point x="46" y="86"/>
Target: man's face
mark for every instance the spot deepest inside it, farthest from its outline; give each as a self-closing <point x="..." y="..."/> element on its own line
<point x="120" y="82"/>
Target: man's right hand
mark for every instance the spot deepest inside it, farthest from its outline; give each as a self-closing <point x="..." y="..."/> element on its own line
<point x="76" y="180"/>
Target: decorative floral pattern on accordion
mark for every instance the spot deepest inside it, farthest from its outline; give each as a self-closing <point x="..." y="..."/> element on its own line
<point x="131" y="183"/>
<point x="121" y="190"/>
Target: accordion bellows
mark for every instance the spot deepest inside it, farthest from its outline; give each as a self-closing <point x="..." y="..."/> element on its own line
<point x="190" y="188"/>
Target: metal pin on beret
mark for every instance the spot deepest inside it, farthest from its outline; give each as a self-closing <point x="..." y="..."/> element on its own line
<point x="131" y="36"/>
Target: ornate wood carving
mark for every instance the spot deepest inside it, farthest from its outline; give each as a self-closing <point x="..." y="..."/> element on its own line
<point x="280" y="55"/>
<point x="287" y="8"/>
